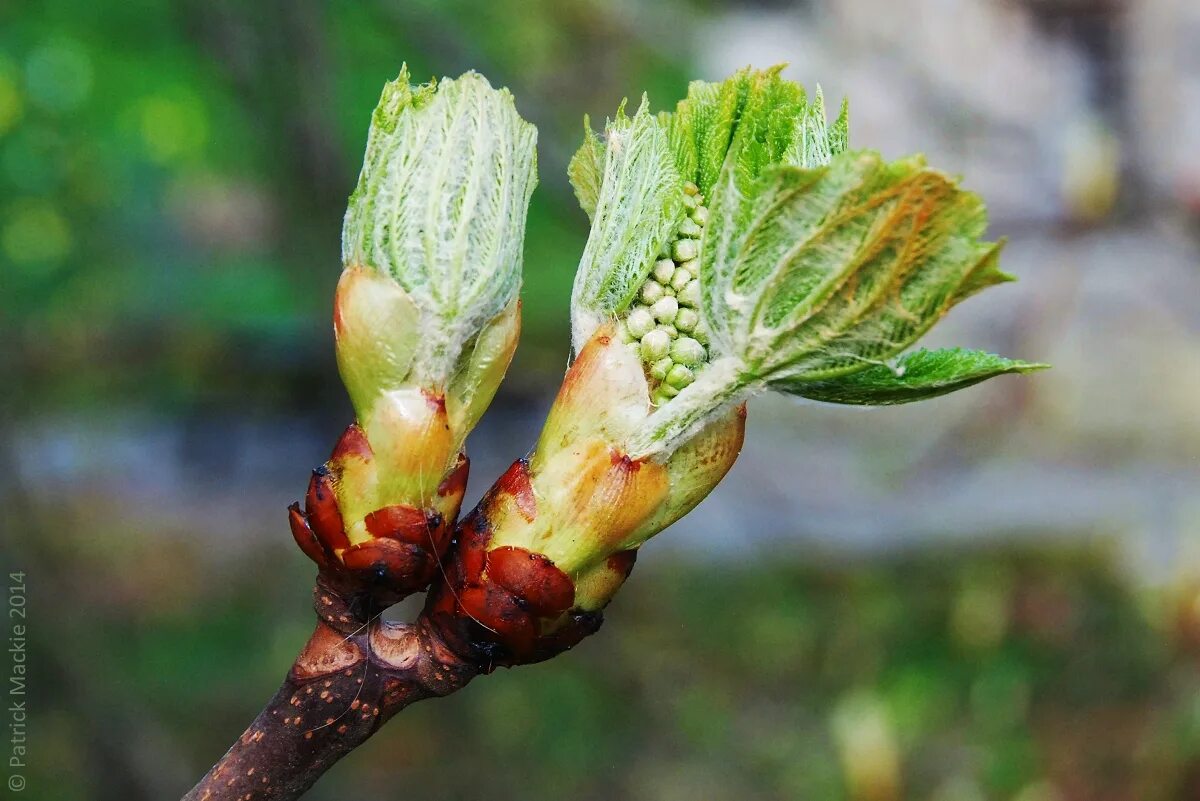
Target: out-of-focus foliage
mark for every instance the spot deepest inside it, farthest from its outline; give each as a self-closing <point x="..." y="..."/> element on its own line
<point x="173" y="177"/>
<point x="1009" y="673"/>
<point x="990" y="675"/>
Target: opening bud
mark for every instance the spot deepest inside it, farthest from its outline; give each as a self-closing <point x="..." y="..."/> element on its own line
<point x="426" y="319"/>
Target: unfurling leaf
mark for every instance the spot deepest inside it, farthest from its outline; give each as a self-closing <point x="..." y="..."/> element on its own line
<point x="757" y="115"/>
<point x="736" y="247"/>
<point x="913" y="377"/>
<point x="440" y="208"/>
<point x="632" y="181"/>
<point x="426" y="315"/>
<point x="812" y="274"/>
<point x="640" y="201"/>
<point x="586" y="170"/>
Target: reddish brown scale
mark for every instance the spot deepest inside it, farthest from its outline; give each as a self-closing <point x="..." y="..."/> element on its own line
<point x="463" y="566"/>
<point x="353" y="442"/>
<point x="471" y="554"/>
<point x="456" y="482"/>
<point x="622" y="562"/>
<point x="407" y="542"/>
<point x="489" y="626"/>
<point x="579" y="624"/>
<point x="441" y="604"/>
<point x="493" y="607"/>
<point x="436" y="402"/>
<point x="544" y="590"/>
<point x="403" y="522"/>
<point x="406" y="567"/>
<point x="473" y="613"/>
<point x="507" y="606"/>
<point x="516" y="483"/>
<point x="503" y="617"/>
<point x="305" y="537"/>
<point x="625" y="462"/>
<point x="321" y="509"/>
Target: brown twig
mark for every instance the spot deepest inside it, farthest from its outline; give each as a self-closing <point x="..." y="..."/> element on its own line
<point x="355" y="672"/>
<point x="485" y="609"/>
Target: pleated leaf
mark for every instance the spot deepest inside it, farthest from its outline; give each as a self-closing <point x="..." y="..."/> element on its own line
<point x="761" y="116"/>
<point x="630" y="182"/>
<point x="823" y="272"/>
<point x="440" y="207"/>
<point x="586" y="169"/>
<point x="638" y="205"/>
<point x="774" y="116"/>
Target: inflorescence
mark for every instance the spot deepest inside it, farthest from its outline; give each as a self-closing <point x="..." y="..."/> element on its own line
<point x="663" y="324"/>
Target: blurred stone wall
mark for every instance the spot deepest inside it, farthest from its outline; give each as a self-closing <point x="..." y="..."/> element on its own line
<point x="1078" y="122"/>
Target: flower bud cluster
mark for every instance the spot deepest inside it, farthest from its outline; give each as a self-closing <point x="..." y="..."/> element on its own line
<point x="663" y="325"/>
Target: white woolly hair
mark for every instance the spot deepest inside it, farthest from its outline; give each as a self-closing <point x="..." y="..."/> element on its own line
<point x="639" y="203"/>
<point x="440" y="206"/>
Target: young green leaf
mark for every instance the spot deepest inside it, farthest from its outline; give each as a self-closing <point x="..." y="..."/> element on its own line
<point x="824" y="272"/>
<point x="811" y="274"/>
<point x="440" y="208"/>
<point x="915" y="376"/>
<point x="426" y="316"/>
<point x="640" y="201"/>
<point x="586" y="169"/>
<point x="632" y="181"/>
<point x="804" y="263"/>
<point x="759" y="115"/>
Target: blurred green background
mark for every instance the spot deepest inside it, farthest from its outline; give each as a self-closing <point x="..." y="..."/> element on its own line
<point x="994" y="595"/>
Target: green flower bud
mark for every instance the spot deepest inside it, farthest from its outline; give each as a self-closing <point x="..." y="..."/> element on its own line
<point x="812" y="315"/>
<point x="687" y="319"/>
<point x="684" y="274"/>
<point x="652" y="291"/>
<point x="685" y="250"/>
<point x="661" y="368"/>
<point x="663" y="394"/>
<point x="664" y="269"/>
<point x="680" y="376"/>
<point x="665" y="309"/>
<point x="690" y="294"/>
<point x="640" y="322"/>
<point x="687" y="351"/>
<point x="655" y="345"/>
